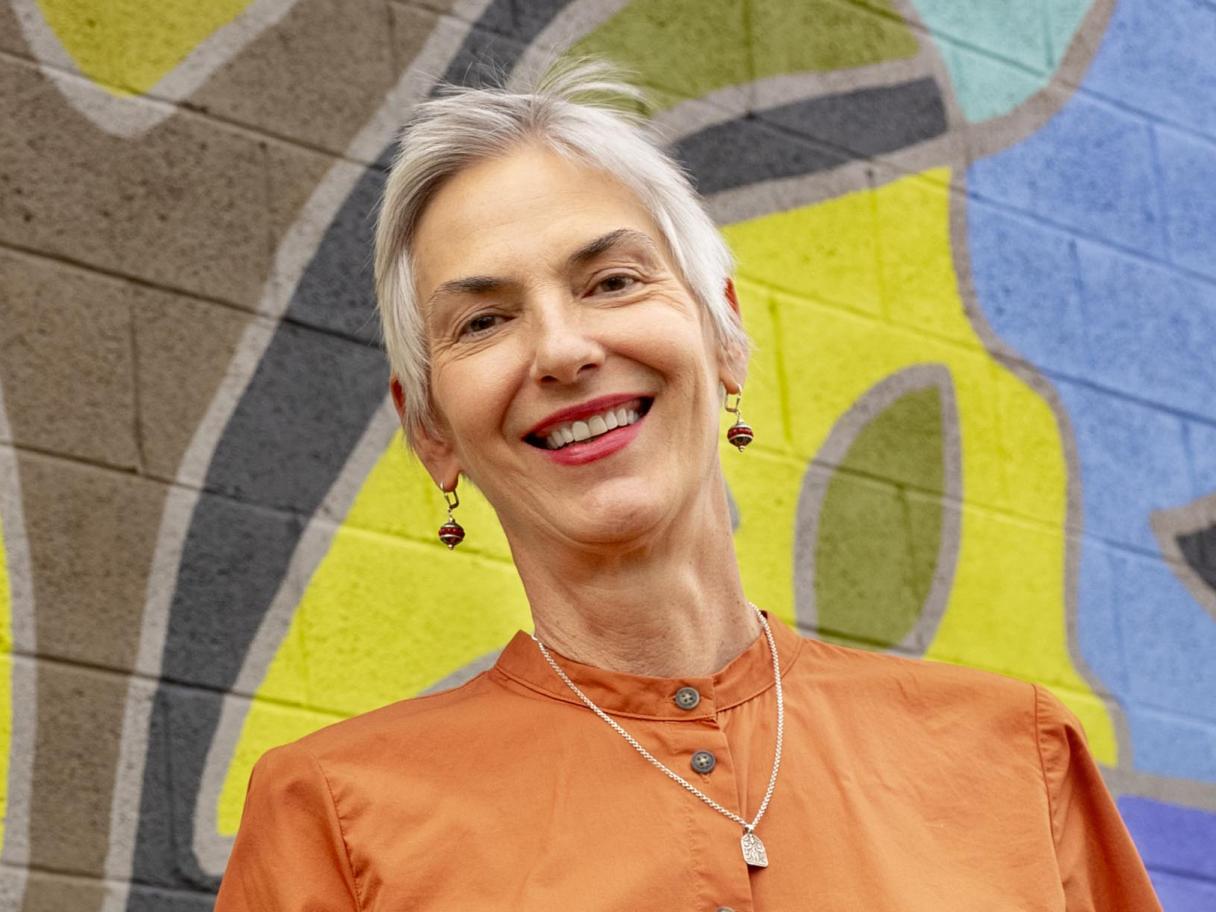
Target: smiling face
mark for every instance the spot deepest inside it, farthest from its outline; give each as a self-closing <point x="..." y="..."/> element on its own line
<point x="574" y="376"/>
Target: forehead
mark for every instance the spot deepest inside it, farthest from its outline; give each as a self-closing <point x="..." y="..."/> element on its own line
<point x="525" y="211"/>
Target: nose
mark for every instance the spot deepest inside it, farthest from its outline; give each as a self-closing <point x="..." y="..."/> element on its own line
<point x="564" y="351"/>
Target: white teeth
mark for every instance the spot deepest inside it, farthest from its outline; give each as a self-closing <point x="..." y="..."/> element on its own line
<point x="594" y="426"/>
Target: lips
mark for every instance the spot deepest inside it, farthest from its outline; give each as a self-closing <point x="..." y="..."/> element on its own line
<point x="588" y="420"/>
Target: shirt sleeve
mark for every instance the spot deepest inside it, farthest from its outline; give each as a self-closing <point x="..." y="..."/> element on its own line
<point x="289" y="854"/>
<point x="1100" y="869"/>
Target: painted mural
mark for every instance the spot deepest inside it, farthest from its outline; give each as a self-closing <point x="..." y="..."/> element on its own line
<point x="976" y="255"/>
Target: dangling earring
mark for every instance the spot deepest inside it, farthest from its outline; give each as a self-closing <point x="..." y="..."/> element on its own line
<point x="451" y="533"/>
<point x="740" y="433"/>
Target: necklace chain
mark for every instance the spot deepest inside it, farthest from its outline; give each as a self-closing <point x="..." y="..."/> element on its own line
<point x="671" y="774"/>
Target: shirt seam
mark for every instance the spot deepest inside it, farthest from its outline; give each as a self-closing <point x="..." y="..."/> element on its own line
<point x="1038" y="742"/>
<point x="333" y="803"/>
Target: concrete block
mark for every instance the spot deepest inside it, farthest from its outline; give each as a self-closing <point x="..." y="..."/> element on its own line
<point x="183" y="348"/>
<point x="749" y="150"/>
<point x="66" y="361"/>
<point x="91" y="534"/>
<point x="1150" y="59"/>
<point x="1201" y="449"/>
<point x="184" y="207"/>
<point x="1151" y="331"/>
<point x="304" y="410"/>
<point x="1089" y="168"/>
<point x="307" y="80"/>
<point x="294" y="173"/>
<point x="1187" y="166"/>
<point x="47" y="891"/>
<point x="12" y="39"/>
<point x="987" y="86"/>
<point x="1013" y="31"/>
<point x="1171" y="743"/>
<point x="1169" y="836"/>
<point x="824" y="35"/>
<point x="233" y="564"/>
<point x="1132" y="460"/>
<point x="79" y="719"/>
<point x="866" y="122"/>
<point x="1168" y="640"/>
<point x="1179" y="893"/>
<point x="1099" y="639"/>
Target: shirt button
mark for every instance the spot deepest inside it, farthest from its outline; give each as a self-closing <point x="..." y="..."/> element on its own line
<point x="704" y="761"/>
<point x="724" y="909"/>
<point x="687" y="697"/>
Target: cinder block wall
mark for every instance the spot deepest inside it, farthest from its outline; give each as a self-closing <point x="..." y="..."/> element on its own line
<point x="977" y="253"/>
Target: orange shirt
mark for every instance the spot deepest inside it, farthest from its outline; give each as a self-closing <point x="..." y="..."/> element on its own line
<point x="904" y="785"/>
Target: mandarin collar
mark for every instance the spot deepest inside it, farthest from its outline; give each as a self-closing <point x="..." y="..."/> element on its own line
<point x="646" y="697"/>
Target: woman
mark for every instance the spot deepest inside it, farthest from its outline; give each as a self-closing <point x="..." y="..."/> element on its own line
<point x="562" y="331"/>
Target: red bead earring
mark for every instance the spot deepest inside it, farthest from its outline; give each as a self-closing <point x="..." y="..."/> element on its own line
<point x="451" y="533"/>
<point x="740" y="433"/>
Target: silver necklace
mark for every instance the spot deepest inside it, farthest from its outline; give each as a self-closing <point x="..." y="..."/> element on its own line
<point x="753" y="849"/>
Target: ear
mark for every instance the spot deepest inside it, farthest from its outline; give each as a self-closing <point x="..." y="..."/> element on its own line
<point x="733" y="357"/>
<point x="432" y="448"/>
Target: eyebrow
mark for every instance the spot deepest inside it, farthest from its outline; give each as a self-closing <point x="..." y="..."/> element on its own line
<point x="483" y="284"/>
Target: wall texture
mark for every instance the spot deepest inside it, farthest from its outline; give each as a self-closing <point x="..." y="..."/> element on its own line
<point x="977" y="248"/>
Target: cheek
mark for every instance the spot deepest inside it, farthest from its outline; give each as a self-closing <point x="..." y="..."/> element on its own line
<point x="472" y="395"/>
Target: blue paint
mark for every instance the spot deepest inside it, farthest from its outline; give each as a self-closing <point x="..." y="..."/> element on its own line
<point x="1158" y="58"/>
<point x="1130" y="201"/>
<point x="1162" y="319"/>
<point x="1178" y="845"/>
<point x="1188" y="166"/>
<point x="1169" y="835"/>
<point x="1090" y="169"/>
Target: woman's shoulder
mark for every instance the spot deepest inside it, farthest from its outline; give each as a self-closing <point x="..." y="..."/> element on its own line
<point x="415" y="724"/>
<point x="908" y="683"/>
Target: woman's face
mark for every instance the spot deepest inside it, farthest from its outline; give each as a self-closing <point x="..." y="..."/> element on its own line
<point x="574" y="376"/>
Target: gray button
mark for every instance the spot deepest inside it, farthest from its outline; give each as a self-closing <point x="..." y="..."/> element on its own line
<point x="687" y="697"/>
<point x="704" y="761"/>
<point x="724" y="909"/>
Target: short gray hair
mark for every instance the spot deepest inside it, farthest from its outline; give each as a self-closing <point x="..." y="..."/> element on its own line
<point x="584" y="109"/>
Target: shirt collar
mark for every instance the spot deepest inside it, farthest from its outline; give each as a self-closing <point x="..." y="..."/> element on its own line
<point x="645" y="697"/>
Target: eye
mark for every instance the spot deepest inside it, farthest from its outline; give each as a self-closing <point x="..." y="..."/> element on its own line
<point x="617" y="282"/>
<point x="479" y="324"/>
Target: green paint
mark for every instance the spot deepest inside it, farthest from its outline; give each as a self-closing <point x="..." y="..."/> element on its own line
<point x="999" y="54"/>
<point x="880" y="525"/>
<point x="687" y="48"/>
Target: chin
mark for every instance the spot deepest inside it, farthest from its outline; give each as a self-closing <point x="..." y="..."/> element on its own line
<point x="616" y="520"/>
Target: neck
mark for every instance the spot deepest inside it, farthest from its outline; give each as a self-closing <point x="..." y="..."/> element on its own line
<point x="670" y="605"/>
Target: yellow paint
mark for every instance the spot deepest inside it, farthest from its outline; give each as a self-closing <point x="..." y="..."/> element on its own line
<point x="127" y="46"/>
<point x="859" y="288"/>
<point x="387" y="613"/>
<point x="837" y="297"/>
<point x="6" y="681"/>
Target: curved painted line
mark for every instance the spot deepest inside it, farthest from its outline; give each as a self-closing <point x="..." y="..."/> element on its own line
<point x="22" y="709"/>
<point x="131" y="116"/>
<point x="1186" y="535"/>
<point x="247" y="459"/>
<point x="1029" y="375"/>
<point x="826" y="462"/>
<point x="961" y="144"/>
<point x="777" y="143"/>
